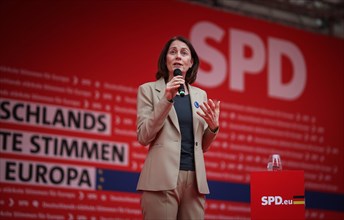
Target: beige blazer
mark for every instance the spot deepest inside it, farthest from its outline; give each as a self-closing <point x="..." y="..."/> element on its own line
<point x="158" y="127"/>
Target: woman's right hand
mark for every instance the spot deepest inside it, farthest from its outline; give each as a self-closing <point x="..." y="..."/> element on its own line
<point x="172" y="87"/>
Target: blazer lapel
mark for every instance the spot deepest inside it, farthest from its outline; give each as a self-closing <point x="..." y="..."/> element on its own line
<point x="195" y="99"/>
<point x="160" y="88"/>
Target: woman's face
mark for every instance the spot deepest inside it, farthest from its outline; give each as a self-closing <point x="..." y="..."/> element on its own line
<point x="178" y="57"/>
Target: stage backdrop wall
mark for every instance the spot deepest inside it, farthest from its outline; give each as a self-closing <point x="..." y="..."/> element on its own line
<point x="69" y="76"/>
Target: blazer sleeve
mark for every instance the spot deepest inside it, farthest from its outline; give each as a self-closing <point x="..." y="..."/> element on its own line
<point x="151" y="113"/>
<point x="208" y="138"/>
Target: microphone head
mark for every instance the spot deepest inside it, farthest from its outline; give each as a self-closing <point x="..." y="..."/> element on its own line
<point x="177" y="72"/>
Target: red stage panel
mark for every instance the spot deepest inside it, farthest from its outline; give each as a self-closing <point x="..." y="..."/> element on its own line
<point x="277" y="195"/>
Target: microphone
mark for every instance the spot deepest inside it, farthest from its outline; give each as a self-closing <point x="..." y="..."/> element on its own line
<point x="181" y="90"/>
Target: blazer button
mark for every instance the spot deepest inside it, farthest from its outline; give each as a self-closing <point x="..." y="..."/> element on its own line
<point x="196" y="144"/>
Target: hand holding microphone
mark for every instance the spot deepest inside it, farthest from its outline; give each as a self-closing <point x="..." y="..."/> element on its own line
<point x="181" y="90"/>
<point x="176" y="84"/>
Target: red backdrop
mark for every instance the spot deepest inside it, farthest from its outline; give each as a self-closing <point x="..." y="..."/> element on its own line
<point x="69" y="73"/>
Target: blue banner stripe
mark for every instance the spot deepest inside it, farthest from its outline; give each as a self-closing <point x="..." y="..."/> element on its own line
<point x="327" y="201"/>
<point x="111" y="180"/>
<point x="229" y="191"/>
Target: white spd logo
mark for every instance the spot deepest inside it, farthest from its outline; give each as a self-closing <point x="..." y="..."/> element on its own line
<point x="275" y="200"/>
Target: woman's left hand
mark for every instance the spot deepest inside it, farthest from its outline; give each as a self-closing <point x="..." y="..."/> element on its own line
<point x="211" y="113"/>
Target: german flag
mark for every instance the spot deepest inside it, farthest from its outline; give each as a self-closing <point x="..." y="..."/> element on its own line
<point x="298" y="200"/>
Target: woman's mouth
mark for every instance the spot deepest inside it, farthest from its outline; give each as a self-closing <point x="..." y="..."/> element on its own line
<point x="177" y="65"/>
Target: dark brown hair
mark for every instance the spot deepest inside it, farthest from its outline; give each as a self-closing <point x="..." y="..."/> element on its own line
<point x="191" y="74"/>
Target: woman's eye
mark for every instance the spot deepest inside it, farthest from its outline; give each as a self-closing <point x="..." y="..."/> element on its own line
<point x="185" y="53"/>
